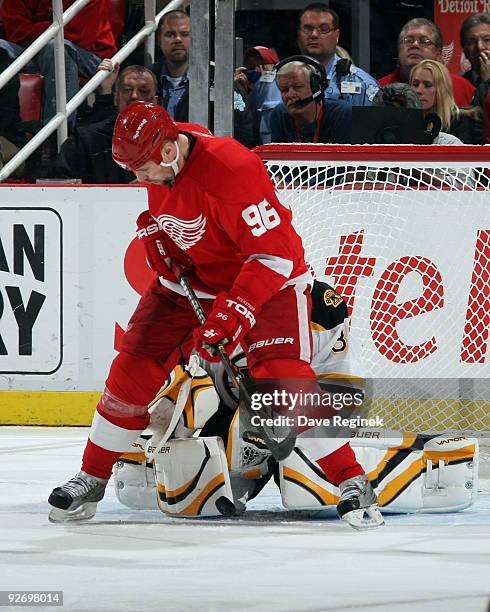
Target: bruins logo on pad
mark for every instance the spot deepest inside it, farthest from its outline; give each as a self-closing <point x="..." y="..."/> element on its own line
<point x="331" y="298"/>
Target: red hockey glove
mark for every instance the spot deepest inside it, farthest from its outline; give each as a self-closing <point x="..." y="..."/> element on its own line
<point x="231" y="318"/>
<point x="152" y="237"/>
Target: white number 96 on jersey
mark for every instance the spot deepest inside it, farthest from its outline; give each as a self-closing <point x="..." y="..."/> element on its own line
<point x="261" y="217"/>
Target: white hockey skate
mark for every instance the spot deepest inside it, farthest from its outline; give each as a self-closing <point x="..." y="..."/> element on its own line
<point x="77" y="499"/>
<point x="358" y="503"/>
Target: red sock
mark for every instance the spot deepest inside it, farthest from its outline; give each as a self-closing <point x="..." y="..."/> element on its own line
<point x="98" y="461"/>
<point x="340" y="465"/>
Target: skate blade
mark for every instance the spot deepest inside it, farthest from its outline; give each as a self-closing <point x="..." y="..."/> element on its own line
<point x="364" y="518"/>
<point x="82" y="513"/>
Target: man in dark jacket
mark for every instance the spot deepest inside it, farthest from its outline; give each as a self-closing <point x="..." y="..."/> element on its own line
<point x="304" y="115"/>
<point x="475" y="40"/>
<point x="174" y="39"/>
<point x="87" y="154"/>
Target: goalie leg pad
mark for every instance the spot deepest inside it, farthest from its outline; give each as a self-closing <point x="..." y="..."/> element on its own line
<point x="192" y="477"/>
<point x="303" y="484"/>
<point x="408" y="474"/>
<point x="134" y="480"/>
<point x="188" y="393"/>
<point x="451" y="473"/>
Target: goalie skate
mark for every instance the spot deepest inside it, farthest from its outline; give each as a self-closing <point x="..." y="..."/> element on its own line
<point x="358" y="503"/>
<point x="77" y="499"/>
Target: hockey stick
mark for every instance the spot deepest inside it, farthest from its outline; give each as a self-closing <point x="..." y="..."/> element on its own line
<point x="279" y="449"/>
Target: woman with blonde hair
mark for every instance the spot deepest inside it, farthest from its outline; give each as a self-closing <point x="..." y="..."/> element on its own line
<point x="432" y="83"/>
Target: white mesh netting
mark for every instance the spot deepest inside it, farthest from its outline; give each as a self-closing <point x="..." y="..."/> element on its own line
<point x="407" y="243"/>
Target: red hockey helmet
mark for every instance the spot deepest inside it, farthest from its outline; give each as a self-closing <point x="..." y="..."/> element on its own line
<point x="139" y="133"/>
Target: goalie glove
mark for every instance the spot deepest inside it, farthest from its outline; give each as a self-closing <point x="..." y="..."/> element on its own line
<point x="231" y="318"/>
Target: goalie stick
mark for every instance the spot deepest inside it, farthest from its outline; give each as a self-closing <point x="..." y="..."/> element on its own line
<point x="279" y="449"/>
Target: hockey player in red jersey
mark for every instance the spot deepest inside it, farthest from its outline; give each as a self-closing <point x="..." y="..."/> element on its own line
<point x="214" y="212"/>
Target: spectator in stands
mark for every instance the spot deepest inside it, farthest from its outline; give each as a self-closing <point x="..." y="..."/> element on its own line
<point x="421" y="39"/>
<point x="432" y="83"/>
<point x="174" y="39"/>
<point x="318" y="35"/>
<point x="88" y="38"/>
<point x="400" y="95"/>
<point x="103" y="104"/>
<point x="257" y="78"/>
<point x="304" y="115"/>
<point x="87" y="154"/>
<point x="475" y="40"/>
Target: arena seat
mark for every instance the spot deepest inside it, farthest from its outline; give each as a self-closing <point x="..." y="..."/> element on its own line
<point x="30" y="95"/>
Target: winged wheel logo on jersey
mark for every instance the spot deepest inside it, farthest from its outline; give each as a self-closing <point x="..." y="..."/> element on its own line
<point x="184" y="233"/>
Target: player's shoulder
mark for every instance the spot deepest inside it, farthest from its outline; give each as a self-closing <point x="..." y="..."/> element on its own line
<point x="328" y="307"/>
<point x="228" y="168"/>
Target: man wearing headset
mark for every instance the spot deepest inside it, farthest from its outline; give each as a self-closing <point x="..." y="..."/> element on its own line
<point x="305" y="115"/>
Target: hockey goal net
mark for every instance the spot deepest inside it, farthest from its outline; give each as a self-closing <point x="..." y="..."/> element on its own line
<point x="403" y="232"/>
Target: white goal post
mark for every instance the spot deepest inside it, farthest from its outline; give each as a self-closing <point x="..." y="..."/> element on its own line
<point x="403" y="232"/>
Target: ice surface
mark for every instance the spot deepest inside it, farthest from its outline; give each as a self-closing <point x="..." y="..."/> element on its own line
<point x="268" y="561"/>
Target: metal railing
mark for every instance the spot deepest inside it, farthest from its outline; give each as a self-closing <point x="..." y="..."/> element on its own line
<point x="65" y="109"/>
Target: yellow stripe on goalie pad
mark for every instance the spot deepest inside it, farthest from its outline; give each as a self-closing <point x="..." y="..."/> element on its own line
<point x="329" y="499"/>
<point x="195" y="508"/>
<point x="408" y="441"/>
<point x="51" y="408"/>
<point x="139" y="457"/>
<point x="192" y="411"/>
<point x="400" y="483"/>
<point x="451" y="456"/>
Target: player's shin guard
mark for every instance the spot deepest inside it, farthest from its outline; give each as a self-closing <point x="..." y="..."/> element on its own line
<point x="109" y="437"/>
<point x="122" y="411"/>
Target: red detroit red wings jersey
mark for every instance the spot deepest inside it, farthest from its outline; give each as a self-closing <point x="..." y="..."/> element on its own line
<point x="223" y="214"/>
